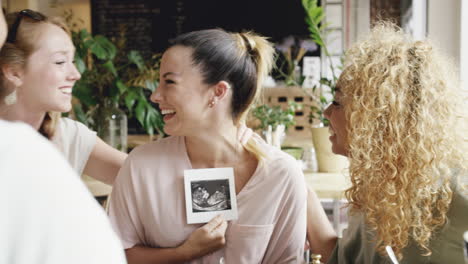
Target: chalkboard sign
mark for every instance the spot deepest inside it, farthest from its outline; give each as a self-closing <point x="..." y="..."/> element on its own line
<point x="151" y="24"/>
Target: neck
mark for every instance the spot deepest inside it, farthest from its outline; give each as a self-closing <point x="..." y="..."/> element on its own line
<point x="21" y="113"/>
<point x="215" y="147"/>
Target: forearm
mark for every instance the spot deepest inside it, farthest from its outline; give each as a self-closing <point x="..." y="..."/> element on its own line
<point x="320" y="234"/>
<point x="147" y="255"/>
<point x="104" y="162"/>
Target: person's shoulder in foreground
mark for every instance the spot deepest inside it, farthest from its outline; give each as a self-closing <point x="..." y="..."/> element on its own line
<point x="49" y="215"/>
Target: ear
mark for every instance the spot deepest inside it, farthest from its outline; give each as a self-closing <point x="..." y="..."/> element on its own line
<point x="13" y="74"/>
<point x="221" y="89"/>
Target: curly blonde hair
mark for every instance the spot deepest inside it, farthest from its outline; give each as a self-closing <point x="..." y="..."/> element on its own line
<point x="401" y="101"/>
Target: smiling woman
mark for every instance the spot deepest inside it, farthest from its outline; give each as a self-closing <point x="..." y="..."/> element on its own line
<point x="209" y="79"/>
<point x="36" y="81"/>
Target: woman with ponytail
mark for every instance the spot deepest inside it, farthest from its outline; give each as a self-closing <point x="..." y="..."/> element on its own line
<point x="209" y="80"/>
<point x="37" y="74"/>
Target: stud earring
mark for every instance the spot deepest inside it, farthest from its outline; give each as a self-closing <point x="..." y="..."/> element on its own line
<point x="11" y="98"/>
<point x="212" y="103"/>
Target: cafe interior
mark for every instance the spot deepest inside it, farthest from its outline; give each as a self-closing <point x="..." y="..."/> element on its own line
<point x="120" y="45"/>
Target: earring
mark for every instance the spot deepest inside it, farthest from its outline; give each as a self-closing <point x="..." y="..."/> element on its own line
<point x="212" y="103"/>
<point x="11" y="98"/>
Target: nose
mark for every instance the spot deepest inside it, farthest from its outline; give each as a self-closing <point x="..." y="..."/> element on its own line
<point x="156" y="96"/>
<point x="327" y="111"/>
<point x="74" y="74"/>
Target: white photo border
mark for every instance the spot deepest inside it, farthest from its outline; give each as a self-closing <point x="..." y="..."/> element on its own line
<point x="207" y="175"/>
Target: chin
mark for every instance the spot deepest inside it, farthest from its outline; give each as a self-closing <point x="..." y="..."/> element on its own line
<point x="62" y="108"/>
<point x="171" y="132"/>
<point x="338" y="150"/>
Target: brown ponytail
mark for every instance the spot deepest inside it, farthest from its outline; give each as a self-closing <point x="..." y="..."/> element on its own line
<point x="242" y="59"/>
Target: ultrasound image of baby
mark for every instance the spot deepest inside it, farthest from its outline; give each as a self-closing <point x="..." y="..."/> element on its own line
<point x="210" y="196"/>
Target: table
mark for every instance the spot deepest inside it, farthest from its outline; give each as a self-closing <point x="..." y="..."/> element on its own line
<point x="326" y="185"/>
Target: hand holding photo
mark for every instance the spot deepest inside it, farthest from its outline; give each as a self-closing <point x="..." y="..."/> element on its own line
<point x="209" y="192"/>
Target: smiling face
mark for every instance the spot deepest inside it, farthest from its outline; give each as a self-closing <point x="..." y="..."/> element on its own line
<point x="182" y="96"/>
<point x="49" y="74"/>
<point x="339" y="133"/>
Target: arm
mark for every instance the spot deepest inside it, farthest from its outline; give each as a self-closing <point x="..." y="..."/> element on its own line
<point x="104" y="162"/>
<point x="201" y="242"/>
<point x="320" y="234"/>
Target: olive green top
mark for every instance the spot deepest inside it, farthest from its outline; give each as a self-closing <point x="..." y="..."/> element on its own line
<point x="447" y="245"/>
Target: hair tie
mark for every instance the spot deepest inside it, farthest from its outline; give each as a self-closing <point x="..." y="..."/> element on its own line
<point x="248" y="43"/>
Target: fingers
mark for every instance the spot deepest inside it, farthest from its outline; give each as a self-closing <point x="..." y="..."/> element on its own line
<point x="222" y="227"/>
<point x="214" y="223"/>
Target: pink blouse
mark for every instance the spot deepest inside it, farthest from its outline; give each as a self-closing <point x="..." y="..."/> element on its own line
<point x="148" y="206"/>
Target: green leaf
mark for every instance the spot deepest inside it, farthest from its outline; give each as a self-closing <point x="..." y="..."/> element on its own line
<point x="136" y="58"/>
<point x="323" y="100"/>
<point x="150" y="120"/>
<point x="109" y="65"/>
<point x="84" y="34"/>
<point x="103" y="48"/>
<point x="130" y="99"/>
<point x="80" y="114"/>
<point x="84" y="93"/>
<point x="121" y="86"/>
<point x="140" y="112"/>
<point x="80" y="64"/>
<point x="151" y="85"/>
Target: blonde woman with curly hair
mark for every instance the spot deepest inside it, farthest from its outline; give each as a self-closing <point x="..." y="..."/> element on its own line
<point x="396" y="117"/>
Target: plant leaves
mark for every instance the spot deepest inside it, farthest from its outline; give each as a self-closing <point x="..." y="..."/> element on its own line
<point x="121" y="86"/>
<point x="103" y="48"/>
<point x="136" y="58"/>
<point x="80" y="114"/>
<point x="109" y="65"/>
<point x="140" y="112"/>
<point x="130" y="99"/>
<point x="151" y="85"/>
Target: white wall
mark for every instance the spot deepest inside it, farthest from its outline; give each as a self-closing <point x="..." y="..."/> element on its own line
<point x="444" y="24"/>
<point x="81" y="8"/>
<point x="357" y="20"/>
<point x="464" y="45"/>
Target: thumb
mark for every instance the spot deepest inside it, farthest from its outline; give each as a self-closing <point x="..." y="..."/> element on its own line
<point x="214" y="223"/>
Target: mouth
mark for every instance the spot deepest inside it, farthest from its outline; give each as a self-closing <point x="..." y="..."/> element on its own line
<point x="168" y="114"/>
<point x="331" y="131"/>
<point x="66" y="90"/>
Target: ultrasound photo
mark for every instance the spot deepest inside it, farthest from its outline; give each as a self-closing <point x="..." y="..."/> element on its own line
<point x="210" y="195"/>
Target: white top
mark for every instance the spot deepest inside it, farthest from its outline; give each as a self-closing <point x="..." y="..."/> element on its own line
<point x="47" y="214"/>
<point x="148" y="206"/>
<point x="75" y="141"/>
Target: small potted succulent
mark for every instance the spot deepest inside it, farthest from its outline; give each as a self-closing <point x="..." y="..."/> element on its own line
<point x="274" y="121"/>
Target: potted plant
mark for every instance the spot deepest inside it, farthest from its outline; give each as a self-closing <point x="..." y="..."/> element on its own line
<point x="113" y="85"/>
<point x="274" y="121"/>
<point x="327" y="160"/>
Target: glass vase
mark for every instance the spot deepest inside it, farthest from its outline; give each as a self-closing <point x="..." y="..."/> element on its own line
<point x="111" y="125"/>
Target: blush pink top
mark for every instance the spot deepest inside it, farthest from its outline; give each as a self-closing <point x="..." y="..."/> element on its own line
<point x="148" y="206"/>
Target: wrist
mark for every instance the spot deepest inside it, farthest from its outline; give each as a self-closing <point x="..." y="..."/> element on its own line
<point x="184" y="252"/>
